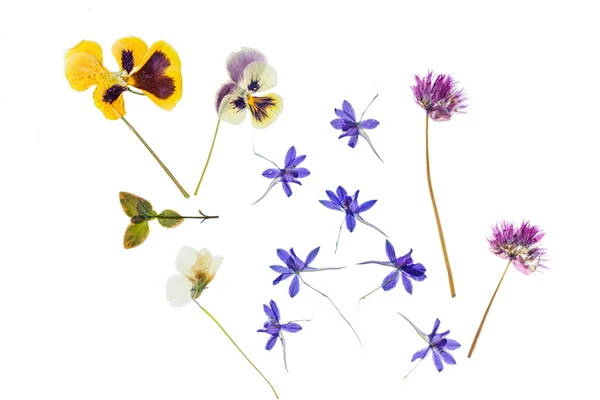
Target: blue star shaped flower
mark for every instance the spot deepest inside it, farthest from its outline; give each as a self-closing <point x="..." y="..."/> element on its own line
<point x="290" y="173"/>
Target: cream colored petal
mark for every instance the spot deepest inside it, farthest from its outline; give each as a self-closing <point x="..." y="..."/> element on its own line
<point x="232" y="109"/>
<point x="264" y="110"/>
<point x="178" y="290"/>
<point x="185" y="260"/>
<point x="259" y="76"/>
<point x="216" y="264"/>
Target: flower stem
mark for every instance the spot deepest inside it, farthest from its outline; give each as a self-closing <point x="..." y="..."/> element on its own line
<point x="413" y="368"/>
<point x="164" y="167"/>
<point x="486" y="312"/>
<point x="435" y="210"/>
<point x="235" y="344"/>
<point x="208" y="159"/>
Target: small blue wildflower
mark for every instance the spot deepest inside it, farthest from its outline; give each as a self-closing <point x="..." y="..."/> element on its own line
<point x="274" y="328"/>
<point x="352" y="129"/>
<point x="290" y="173"/>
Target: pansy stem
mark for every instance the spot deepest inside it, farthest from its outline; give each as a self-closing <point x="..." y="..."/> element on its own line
<point x="235" y="344"/>
<point x="208" y="159"/>
<point x="164" y="167"/>
<point x="486" y="312"/>
<point x="435" y="210"/>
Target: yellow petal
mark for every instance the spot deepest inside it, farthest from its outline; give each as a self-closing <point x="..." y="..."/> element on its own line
<point x="232" y="109"/>
<point x="86" y="46"/>
<point x="159" y="75"/>
<point x="108" y="97"/>
<point x="129" y="52"/>
<point x="264" y="110"/>
<point x="83" y="70"/>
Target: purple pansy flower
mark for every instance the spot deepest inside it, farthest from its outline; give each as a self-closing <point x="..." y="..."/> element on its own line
<point x="438" y="346"/>
<point x="275" y="328"/>
<point x="290" y="173"/>
<point x="438" y="96"/>
<point x="351" y="128"/>
<point x="518" y="244"/>
<point x="341" y="201"/>
<point x="403" y="266"/>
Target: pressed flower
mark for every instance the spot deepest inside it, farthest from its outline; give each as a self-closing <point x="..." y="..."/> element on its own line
<point x="250" y="74"/>
<point x="403" y="266"/>
<point x="197" y="269"/>
<point x="520" y="246"/>
<point x="156" y="71"/>
<point x="437" y="344"/>
<point x="440" y="99"/>
<point x="341" y="201"/>
<point x="275" y="328"/>
<point x="351" y="128"/>
<point x="294" y="266"/>
<point x="290" y="173"/>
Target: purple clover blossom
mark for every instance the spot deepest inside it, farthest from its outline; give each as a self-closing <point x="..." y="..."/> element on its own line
<point x="351" y="128"/>
<point x="403" y="266"/>
<point x="290" y="173"/>
<point x="438" y="346"/>
<point x="439" y="97"/>
<point x="341" y="201"/>
<point x="275" y="328"/>
<point x="518" y="244"/>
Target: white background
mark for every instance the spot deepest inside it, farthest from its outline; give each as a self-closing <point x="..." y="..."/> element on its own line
<point x="82" y="318"/>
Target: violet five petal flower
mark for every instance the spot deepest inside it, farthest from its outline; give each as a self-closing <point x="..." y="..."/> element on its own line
<point x="341" y="201"/>
<point x="520" y="244"/>
<point x="293" y="267"/>
<point x="403" y="266"/>
<point x="437" y="344"/>
<point x="439" y="96"/>
<point x="346" y="122"/>
<point x="275" y="328"/>
<point x="290" y="173"/>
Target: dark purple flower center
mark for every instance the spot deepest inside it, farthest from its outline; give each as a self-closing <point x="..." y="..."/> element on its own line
<point x="127" y="60"/>
<point x="113" y="93"/>
<point x="239" y="103"/>
<point x="254" y="85"/>
<point x="151" y="76"/>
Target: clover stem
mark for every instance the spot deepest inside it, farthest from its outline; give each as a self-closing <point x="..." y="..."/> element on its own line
<point x="486" y="312"/>
<point x="338" y="310"/>
<point x="208" y="159"/>
<point x="235" y="344"/>
<point x="164" y="167"/>
<point x="435" y="210"/>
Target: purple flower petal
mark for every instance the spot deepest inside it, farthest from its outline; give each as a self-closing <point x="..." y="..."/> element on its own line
<point x="271" y="173"/>
<point x="447" y="357"/>
<point x="299" y="160"/>
<point x="390" y="251"/>
<point x="341" y="193"/>
<point x="436" y="325"/>
<point x="312" y="255"/>
<point x="329" y="205"/>
<point x="451" y="344"/>
<point x="390" y="281"/>
<point x="280" y="278"/>
<point x="369" y="124"/>
<point x="366" y="205"/>
<point x="290" y="156"/>
<point x="420" y="354"/>
<point x="407" y="284"/>
<point x="286" y="188"/>
<point x="302" y="173"/>
<point x="353" y="141"/>
<point x="349" y="110"/>
<point x="343" y="115"/>
<point x="283" y="255"/>
<point x="238" y="61"/>
<point x="437" y="361"/>
<point x="280" y="269"/>
<point x="415" y="273"/>
<point x="404" y="260"/>
<point x="334" y="199"/>
<point x="294" y="286"/>
<point x="224" y="90"/>
<point x="338" y="123"/>
<point x="275" y="310"/>
<point x="350" y="222"/>
<point x="291" y="327"/>
<point x="271" y="342"/>
<point x="269" y="312"/>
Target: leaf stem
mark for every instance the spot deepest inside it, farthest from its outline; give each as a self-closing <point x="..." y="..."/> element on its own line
<point x="208" y="159"/>
<point x="486" y="312"/>
<point x="164" y="167"/>
<point x="235" y="344"/>
<point x="435" y="210"/>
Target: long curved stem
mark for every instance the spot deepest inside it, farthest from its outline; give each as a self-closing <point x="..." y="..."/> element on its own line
<point x="486" y="312"/>
<point x="208" y="159"/>
<point x="164" y="167"/>
<point x="235" y="344"/>
<point x="435" y="210"/>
